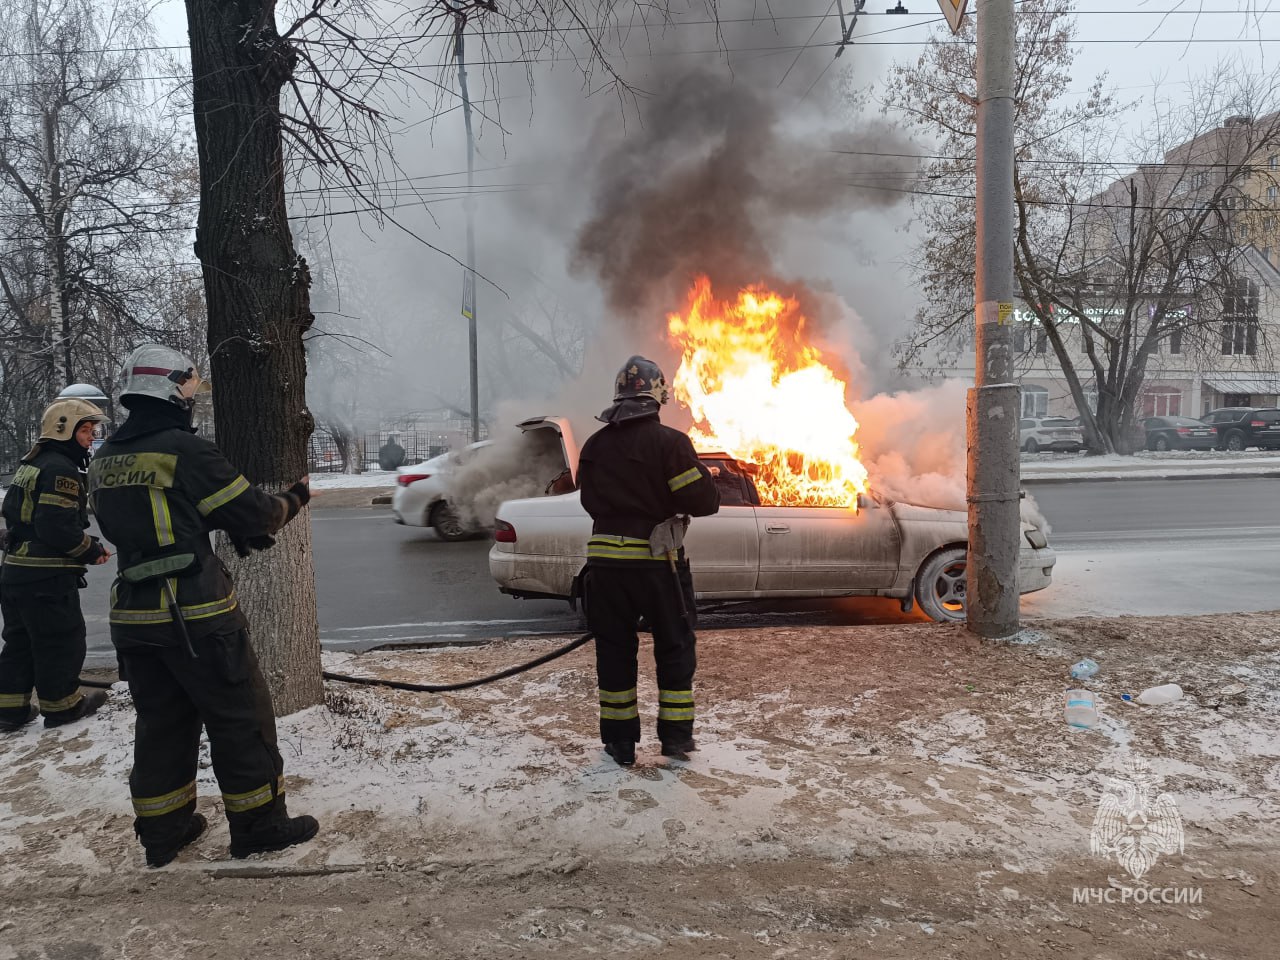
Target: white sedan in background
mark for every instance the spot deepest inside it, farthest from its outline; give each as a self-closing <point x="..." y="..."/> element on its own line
<point x="421" y="495"/>
<point x="750" y="550"/>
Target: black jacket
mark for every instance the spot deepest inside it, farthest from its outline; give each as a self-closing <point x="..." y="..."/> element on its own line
<point x="46" y="512"/>
<point x="158" y="491"/>
<point x="634" y="474"/>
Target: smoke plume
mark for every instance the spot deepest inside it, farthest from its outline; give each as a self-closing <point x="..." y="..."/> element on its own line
<point x="709" y="185"/>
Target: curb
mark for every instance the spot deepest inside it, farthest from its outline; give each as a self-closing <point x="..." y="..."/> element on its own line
<point x="1263" y="474"/>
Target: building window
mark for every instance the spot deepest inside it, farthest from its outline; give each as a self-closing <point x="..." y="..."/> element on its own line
<point x="1175" y="341"/>
<point x="1090" y="400"/>
<point x="1237" y="400"/>
<point x="1268" y="224"/>
<point x="1273" y="161"/>
<point x="1042" y="342"/>
<point x="1271" y="194"/>
<point x="1035" y="401"/>
<point x="1240" y="319"/>
<point x="1161" y="402"/>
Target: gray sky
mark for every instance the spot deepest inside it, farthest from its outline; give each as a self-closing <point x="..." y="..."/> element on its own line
<point x="543" y="176"/>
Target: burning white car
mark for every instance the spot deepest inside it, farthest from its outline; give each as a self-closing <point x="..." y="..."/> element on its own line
<point x="797" y="517"/>
<point x="749" y="550"/>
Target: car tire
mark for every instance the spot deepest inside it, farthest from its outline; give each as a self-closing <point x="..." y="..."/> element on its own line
<point x="940" y="585"/>
<point x="1234" y="441"/>
<point x="1031" y="446"/>
<point x="447" y="524"/>
<point x="1161" y="444"/>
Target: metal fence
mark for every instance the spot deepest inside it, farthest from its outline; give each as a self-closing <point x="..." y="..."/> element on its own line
<point x="324" y="452"/>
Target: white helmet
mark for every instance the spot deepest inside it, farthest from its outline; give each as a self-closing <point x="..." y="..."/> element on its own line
<point x="154" y="370"/>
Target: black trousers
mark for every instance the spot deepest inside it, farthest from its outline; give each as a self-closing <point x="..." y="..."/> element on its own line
<point x="44" y="646"/>
<point x="223" y="690"/>
<point x="616" y="597"/>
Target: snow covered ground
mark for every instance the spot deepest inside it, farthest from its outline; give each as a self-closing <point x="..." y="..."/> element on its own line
<point x="1150" y="465"/>
<point x="900" y="792"/>
<point x="346" y="481"/>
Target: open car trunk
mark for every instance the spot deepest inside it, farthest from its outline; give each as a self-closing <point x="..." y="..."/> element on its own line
<point x="557" y="432"/>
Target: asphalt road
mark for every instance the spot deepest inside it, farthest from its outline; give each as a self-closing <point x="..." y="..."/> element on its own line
<point x="1146" y="547"/>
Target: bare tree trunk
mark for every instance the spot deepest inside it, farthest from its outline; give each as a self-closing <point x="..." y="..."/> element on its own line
<point x="256" y="286"/>
<point x="55" y="255"/>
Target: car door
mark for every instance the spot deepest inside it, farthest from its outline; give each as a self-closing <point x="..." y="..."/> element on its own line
<point x="1266" y="427"/>
<point x="829" y="551"/>
<point x="724" y="548"/>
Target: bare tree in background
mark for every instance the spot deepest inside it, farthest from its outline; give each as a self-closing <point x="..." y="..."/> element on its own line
<point x="315" y="85"/>
<point x="89" y="199"/>
<point x="1109" y="266"/>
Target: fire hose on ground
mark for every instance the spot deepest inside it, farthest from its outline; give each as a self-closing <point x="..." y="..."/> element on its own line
<point x="428" y="687"/>
<point x="665" y="541"/>
<point x="464" y="684"/>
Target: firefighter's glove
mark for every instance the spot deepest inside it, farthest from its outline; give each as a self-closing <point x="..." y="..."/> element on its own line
<point x="246" y="545"/>
<point x="301" y="490"/>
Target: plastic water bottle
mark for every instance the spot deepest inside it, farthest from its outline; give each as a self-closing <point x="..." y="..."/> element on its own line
<point x="1080" y="712"/>
<point x="1083" y="670"/>
<point x="1165" y="693"/>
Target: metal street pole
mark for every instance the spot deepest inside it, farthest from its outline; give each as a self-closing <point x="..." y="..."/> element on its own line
<point x="994" y="404"/>
<point x="468" y="204"/>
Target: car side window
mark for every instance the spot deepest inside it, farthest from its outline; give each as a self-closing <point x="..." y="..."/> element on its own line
<point x="1026" y="424"/>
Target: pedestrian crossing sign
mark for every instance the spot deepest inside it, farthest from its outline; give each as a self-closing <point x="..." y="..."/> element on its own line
<point x="954" y="10"/>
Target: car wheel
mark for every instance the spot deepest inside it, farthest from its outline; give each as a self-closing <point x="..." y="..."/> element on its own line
<point x="448" y="524"/>
<point x="1235" y="440"/>
<point x="941" y="585"/>
<point x="1161" y="444"/>
<point x="1031" y="446"/>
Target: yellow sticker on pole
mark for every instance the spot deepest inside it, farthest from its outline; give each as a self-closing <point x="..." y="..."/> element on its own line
<point x="1003" y="312"/>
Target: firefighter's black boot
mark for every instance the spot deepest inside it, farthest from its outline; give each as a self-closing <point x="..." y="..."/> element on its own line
<point x="272" y="833"/>
<point x="623" y="751"/>
<point x="159" y="856"/>
<point x="10" y="725"/>
<point x="85" y="706"/>
<point x="679" y="751"/>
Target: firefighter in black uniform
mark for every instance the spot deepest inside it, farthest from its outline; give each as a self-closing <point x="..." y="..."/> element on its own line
<point x="180" y="636"/>
<point x="46" y="513"/>
<point x="634" y="475"/>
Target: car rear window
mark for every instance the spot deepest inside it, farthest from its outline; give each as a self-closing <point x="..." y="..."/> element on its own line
<point x="1270" y="416"/>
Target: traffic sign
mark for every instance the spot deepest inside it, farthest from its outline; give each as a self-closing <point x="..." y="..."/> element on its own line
<point x="954" y="10"/>
<point x="469" y="294"/>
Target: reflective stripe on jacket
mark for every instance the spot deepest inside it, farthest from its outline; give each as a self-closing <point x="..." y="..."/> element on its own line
<point x="46" y="512"/>
<point x="158" y="494"/>
<point x="633" y="475"/>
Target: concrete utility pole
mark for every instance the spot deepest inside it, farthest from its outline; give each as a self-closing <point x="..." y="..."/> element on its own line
<point x="468" y="203"/>
<point x="995" y="401"/>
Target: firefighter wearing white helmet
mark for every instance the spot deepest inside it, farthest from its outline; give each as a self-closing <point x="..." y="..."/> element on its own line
<point x="45" y="559"/>
<point x="640" y="483"/>
<point x="180" y="635"/>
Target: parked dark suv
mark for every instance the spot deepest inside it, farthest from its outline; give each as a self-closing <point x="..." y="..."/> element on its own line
<point x="1241" y="427"/>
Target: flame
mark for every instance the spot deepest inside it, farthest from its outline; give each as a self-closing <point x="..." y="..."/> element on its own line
<point x="759" y="392"/>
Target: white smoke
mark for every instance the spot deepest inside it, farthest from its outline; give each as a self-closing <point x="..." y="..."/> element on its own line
<point x="913" y="446"/>
<point x="513" y="466"/>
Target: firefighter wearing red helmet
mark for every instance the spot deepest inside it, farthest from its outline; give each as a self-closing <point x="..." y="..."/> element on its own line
<point x="180" y="636"/>
<point x="47" y="551"/>
<point x="637" y="478"/>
